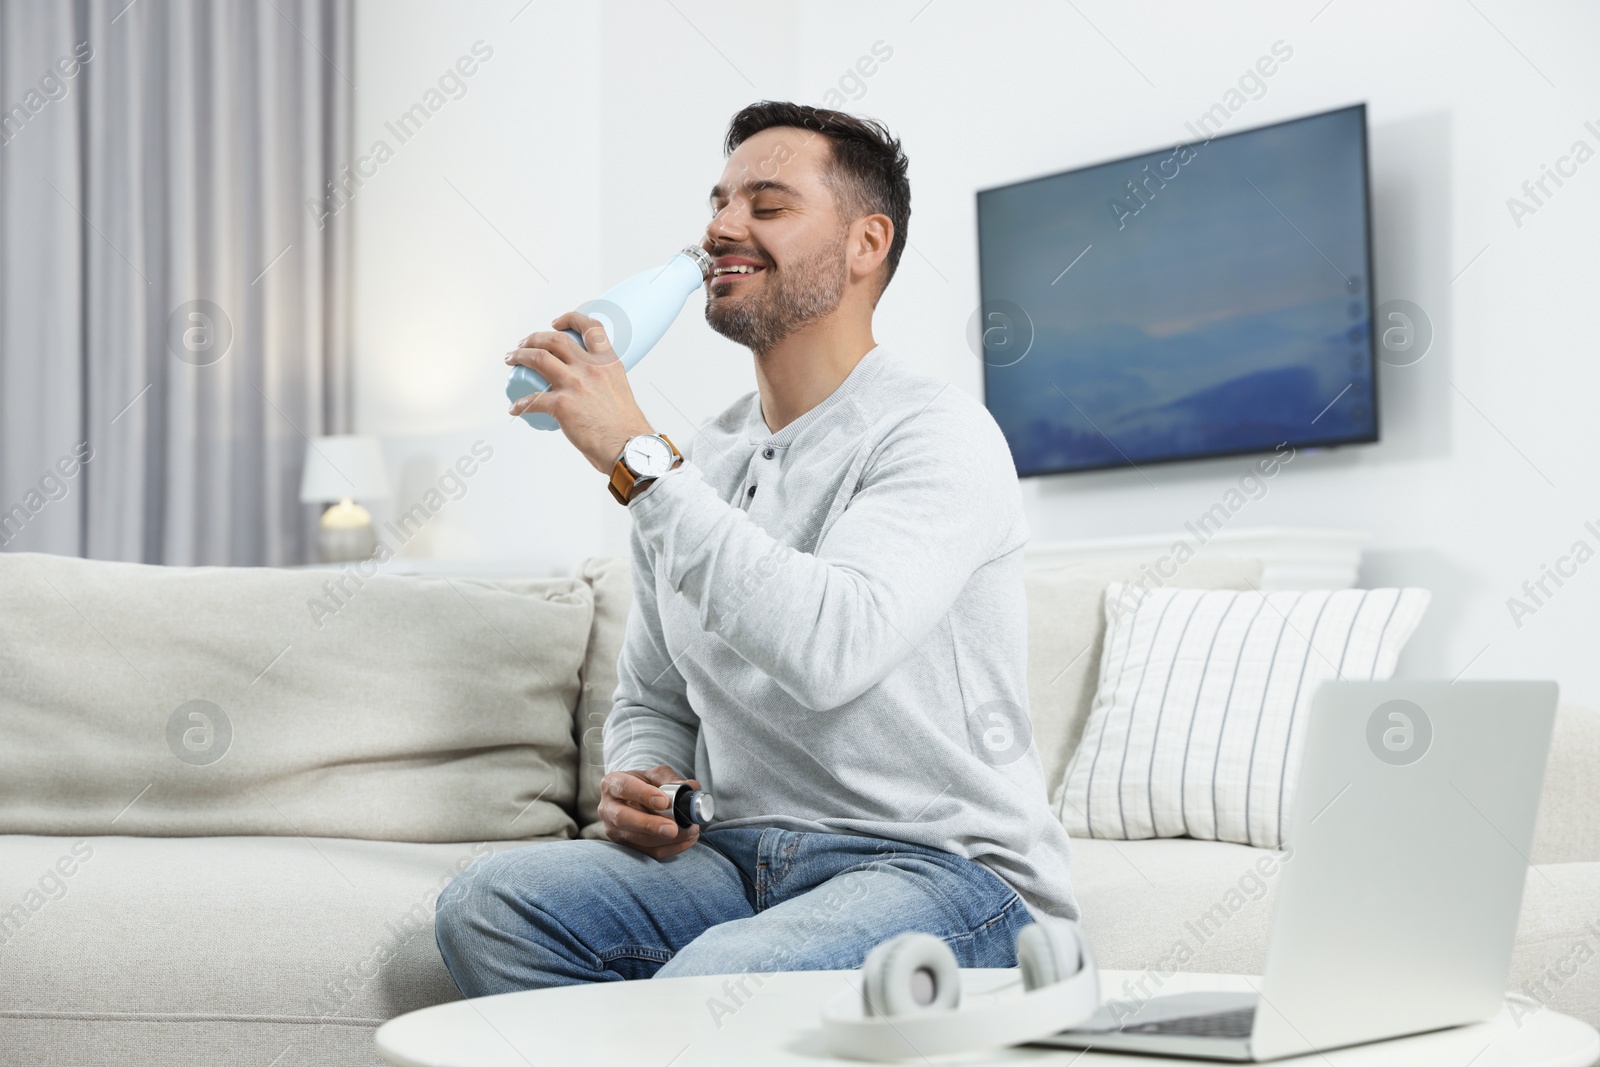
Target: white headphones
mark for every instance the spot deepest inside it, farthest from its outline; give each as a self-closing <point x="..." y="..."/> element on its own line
<point x="909" y="1004"/>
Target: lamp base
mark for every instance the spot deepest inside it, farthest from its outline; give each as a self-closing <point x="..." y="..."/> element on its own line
<point x="346" y="545"/>
<point x="345" y="534"/>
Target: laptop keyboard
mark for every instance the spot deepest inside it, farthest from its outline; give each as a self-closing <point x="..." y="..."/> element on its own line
<point x="1228" y="1024"/>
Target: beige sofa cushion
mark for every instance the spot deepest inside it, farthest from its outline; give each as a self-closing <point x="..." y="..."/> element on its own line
<point x="218" y="950"/>
<point x="1066" y="631"/>
<point x="612" y="582"/>
<point x="1568" y="829"/>
<point x="337" y="703"/>
<point x="1199" y="905"/>
<point x="1558" y="934"/>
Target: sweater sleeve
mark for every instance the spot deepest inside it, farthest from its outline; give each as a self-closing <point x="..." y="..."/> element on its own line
<point x="937" y="500"/>
<point x="651" y="721"/>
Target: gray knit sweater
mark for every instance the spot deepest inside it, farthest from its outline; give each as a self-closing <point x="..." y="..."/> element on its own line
<point x="830" y="631"/>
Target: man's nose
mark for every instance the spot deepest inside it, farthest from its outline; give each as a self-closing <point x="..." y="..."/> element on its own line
<point x="726" y="226"/>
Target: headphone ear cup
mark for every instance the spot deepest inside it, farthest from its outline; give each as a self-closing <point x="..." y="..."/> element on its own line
<point x="1048" y="953"/>
<point x="911" y="974"/>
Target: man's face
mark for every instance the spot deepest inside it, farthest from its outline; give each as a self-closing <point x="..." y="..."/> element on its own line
<point x="774" y="216"/>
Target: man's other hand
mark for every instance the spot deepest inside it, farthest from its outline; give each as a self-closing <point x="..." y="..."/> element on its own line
<point x="636" y="813"/>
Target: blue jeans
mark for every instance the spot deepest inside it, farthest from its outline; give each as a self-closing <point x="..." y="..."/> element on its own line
<point x="744" y="899"/>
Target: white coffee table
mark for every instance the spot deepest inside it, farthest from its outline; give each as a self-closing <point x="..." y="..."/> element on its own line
<point x="676" y="1022"/>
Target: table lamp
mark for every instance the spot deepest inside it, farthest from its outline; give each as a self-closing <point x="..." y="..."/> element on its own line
<point x="341" y="469"/>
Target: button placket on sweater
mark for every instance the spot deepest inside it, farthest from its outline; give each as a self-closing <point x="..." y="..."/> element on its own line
<point x="765" y="457"/>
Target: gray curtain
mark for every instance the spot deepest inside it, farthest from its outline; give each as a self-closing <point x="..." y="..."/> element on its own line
<point x="173" y="321"/>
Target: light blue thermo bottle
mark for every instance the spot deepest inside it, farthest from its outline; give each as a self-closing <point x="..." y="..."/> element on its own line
<point x="635" y="315"/>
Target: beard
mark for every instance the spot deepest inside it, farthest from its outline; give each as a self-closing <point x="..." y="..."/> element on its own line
<point x="810" y="288"/>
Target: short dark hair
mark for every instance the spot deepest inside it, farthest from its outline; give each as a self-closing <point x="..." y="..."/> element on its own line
<point x="869" y="171"/>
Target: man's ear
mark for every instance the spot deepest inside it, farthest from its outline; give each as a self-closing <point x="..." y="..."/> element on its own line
<point x="870" y="237"/>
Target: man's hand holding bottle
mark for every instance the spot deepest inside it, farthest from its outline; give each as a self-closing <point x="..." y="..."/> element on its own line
<point x="638" y="814"/>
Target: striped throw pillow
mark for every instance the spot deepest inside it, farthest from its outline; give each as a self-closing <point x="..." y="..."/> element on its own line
<point x="1199" y="714"/>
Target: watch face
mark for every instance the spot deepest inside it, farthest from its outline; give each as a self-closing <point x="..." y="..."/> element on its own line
<point x="647" y="456"/>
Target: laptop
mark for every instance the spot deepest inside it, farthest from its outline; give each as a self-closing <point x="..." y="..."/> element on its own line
<point x="1411" y="826"/>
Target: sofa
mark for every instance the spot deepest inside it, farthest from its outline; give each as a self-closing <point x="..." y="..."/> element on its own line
<point x="230" y="796"/>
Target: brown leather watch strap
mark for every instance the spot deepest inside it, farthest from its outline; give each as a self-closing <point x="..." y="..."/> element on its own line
<point x="624" y="487"/>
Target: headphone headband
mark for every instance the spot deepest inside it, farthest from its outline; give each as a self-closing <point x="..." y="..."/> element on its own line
<point x="1010" y="1020"/>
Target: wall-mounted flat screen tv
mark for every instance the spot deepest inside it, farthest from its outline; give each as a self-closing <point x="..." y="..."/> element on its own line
<point x="1208" y="299"/>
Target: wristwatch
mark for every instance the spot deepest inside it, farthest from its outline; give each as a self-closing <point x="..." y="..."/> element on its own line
<point x="645" y="457"/>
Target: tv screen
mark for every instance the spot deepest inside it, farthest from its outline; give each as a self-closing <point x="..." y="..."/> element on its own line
<point x="1209" y="299"/>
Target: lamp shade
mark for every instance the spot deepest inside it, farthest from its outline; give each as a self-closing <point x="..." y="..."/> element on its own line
<point x="348" y="465"/>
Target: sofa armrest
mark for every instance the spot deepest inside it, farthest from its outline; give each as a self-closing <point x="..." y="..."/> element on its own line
<point x="1568" y="828"/>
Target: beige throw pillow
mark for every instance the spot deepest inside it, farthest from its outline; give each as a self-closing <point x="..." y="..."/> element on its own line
<point x="151" y="700"/>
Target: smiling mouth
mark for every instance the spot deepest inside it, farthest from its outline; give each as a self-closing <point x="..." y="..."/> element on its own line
<point x="727" y="275"/>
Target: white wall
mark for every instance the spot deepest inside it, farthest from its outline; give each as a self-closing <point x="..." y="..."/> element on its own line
<point x="1483" y="475"/>
<point x="483" y="225"/>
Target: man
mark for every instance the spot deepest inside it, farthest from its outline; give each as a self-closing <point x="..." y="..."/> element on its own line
<point x="828" y="631"/>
